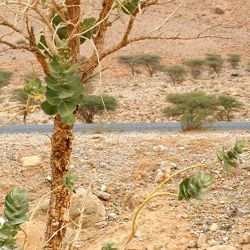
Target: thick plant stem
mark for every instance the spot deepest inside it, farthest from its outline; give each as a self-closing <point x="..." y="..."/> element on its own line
<point x="61" y="143"/>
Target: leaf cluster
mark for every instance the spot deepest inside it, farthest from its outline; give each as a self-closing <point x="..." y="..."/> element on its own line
<point x="69" y="181"/>
<point x="34" y="89"/>
<point x="229" y="159"/>
<point x="195" y="186"/>
<point x="15" y="213"/>
<point x="94" y="104"/>
<point x="109" y="246"/>
<point x="64" y="90"/>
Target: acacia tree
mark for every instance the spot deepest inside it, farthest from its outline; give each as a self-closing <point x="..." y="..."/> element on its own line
<point x="46" y="26"/>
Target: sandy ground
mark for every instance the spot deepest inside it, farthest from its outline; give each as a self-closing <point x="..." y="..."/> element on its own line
<point x="126" y="164"/>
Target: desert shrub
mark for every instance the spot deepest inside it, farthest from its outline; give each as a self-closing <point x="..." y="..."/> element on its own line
<point x="228" y="104"/>
<point x="93" y="104"/>
<point x="193" y="108"/>
<point x="150" y="61"/>
<point x="234" y="60"/>
<point x="176" y="73"/>
<point x="195" y="66"/>
<point x="214" y="62"/>
<point x="129" y="61"/>
<point x="5" y="77"/>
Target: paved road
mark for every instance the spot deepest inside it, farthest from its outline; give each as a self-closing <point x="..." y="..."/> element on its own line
<point x="125" y="127"/>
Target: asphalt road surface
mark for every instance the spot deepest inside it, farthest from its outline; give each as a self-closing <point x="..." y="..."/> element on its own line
<point x="124" y="127"/>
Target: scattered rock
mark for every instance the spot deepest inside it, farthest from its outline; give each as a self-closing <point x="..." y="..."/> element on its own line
<point x="159" y="175"/>
<point x="219" y="11"/>
<point x="113" y="216"/>
<point x="242" y="212"/>
<point x="213" y="227"/>
<point x="165" y="167"/>
<point x="222" y="247"/>
<point x="28" y="161"/>
<point x="132" y="201"/>
<point x="201" y="240"/>
<point x="245" y="239"/>
<point x="159" y="148"/>
<point x="103" y="188"/>
<point x="94" y="209"/>
<point x="103" y="195"/>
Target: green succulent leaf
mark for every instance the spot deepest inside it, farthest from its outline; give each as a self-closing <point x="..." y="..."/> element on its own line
<point x="195" y="186"/>
<point x="48" y="108"/>
<point x="109" y="246"/>
<point x="68" y="120"/>
<point x="69" y="181"/>
<point x="66" y="108"/>
<point x="129" y="6"/>
<point x="15" y="213"/>
<point x="229" y="159"/>
<point x="52" y="97"/>
<point x="85" y="28"/>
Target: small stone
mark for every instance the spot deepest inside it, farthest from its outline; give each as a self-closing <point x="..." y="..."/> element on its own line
<point x="219" y="11"/>
<point x="159" y="148"/>
<point x="185" y="216"/>
<point x="103" y="188"/>
<point x="103" y="195"/>
<point x="29" y="161"/>
<point x="222" y="247"/>
<point x="201" y="240"/>
<point x="49" y="178"/>
<point x="192" y="244"/>
<point x="213" y="243"/>
<point x="242" y="212"/>
<point x="245" y="239"/>
<point x="165" y="167"/>
<point x="113" y="215"/>
<point x="159" y="175"/>
<point x="213" y="227"/>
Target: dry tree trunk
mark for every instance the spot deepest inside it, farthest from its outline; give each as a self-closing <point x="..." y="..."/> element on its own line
<point x="61" y="143"/>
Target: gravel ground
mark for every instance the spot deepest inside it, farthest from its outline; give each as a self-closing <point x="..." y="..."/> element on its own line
<point x="126" y="164"/>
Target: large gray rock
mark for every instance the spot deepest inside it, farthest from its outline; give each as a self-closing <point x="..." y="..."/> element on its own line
<point x="94" y="209"/>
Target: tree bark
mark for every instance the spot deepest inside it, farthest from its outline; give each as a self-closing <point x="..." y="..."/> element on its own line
<point x="61" y="144"/>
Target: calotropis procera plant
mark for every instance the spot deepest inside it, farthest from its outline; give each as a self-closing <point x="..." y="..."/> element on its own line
<point x="64" y="90"/>
<point x="15" y="214"/>
<point x="194" y="186"/>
